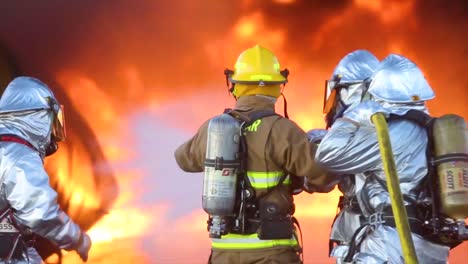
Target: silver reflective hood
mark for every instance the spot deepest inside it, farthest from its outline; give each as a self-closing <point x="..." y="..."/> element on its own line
<point x="24" y="111"/>
<point x="399" y="80"/>
<point x="25" y="93"/>
<point x="24" y="184"/>
<point x="356" y="66"/>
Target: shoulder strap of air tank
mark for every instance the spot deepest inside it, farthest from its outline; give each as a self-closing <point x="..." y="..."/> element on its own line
<point x="16" y="139"/>
<point x="242" y="154"/>
<point x="426" y="121"/>
<point x="17" y="236"/>
<point x="261" y="114"/>
<point x="248" y="118"/>
<point x="416" y="116"/>
<point x="429" y="185"/>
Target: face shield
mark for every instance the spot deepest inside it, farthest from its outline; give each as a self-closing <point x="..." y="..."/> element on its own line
<point x="58" y="120"/>
<point x="330" y="93"/>
<point x="339" y="96"/>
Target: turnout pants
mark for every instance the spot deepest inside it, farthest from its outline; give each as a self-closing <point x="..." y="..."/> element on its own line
<point x="276" y="255"/>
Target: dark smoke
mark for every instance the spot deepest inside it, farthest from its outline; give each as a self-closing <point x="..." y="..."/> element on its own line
<point x="164" y="39"/>
<point x="436" y="40"/>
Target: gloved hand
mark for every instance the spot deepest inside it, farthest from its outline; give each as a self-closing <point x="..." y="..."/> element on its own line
<point x="312" y="188"/>
<point x="84" y="245"/>
<point x="296" y="184"/>
<point x="316" y="135"/>
<point x="363" y="112"/>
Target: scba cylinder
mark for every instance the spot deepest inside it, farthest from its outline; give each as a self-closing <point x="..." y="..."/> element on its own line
<point x="221" y="166"/>
<point x="451" y="157"/>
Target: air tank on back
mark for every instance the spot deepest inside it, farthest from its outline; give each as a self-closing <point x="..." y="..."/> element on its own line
<point x="222" y="164"/>
<point x="451" y="155"/>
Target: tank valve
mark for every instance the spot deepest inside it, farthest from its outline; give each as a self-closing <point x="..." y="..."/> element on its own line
<point x="217" y="227"/>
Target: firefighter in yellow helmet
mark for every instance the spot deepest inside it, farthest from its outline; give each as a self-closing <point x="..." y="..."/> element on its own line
<point x="251" y="213"/>
<point x="257" y="72"/>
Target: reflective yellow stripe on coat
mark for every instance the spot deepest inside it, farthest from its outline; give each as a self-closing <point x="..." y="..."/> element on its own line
<point x="259" y="180"/>
<point x="263" y="180"/>
<point x="237" y="241"/>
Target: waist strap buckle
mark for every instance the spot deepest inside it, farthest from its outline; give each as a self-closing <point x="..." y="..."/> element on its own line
<point x="376" y="219"/>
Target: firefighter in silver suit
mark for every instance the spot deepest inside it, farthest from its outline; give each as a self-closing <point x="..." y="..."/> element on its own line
<point x="31" y="124"/>
<point x="344" y="91"/>
<point x="350" y="148"/>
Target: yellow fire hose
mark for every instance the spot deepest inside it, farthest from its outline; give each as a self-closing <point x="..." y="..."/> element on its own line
<point x="398" y="208"/>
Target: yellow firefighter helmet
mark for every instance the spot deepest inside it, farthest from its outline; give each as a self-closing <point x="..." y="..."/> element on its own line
<point x="258" y="65"/>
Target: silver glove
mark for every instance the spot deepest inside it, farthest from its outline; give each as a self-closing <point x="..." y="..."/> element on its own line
<point x="84" y="245"/>
<point x="316" y="135"/>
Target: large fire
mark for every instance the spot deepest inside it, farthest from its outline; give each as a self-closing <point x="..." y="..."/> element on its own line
<point x="161" y="78"/>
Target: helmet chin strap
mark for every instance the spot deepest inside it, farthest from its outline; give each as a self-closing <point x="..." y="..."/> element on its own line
<point x="230" y="86"/>
<point x="231" y="91"/>
<point x="285" y="103"/>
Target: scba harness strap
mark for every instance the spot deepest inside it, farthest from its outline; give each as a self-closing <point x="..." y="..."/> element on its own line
<point x="387" y="218"/>
<point x="424" y="220"/>
<point x="16" y="139"/>
<point x="12" y="241"/>
<point x="433" y="224"/>
<point x="246" y="228"/>
<point x="252" y="216"/>
<point x="246" y="120"/>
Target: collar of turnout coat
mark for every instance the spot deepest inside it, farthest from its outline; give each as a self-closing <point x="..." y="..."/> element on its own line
<point x="254" y="102"/>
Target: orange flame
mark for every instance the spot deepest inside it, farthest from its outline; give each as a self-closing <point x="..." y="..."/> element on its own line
<point x="285" y="1"/>
<point x="388" y="11"/>
<point x="249" y="30"/>
<point x="124" y="220"/>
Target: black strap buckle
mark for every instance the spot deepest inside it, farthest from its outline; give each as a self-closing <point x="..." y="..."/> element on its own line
<point x="12" y="242"/>
<point x="218" y="164"/>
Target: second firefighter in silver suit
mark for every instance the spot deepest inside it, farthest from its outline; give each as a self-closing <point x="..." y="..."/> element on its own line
<point x="350" y="149"/>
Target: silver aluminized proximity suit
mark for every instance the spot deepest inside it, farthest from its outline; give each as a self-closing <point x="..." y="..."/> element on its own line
<point x="351" y="148"/>
<point x="28" y="112"/>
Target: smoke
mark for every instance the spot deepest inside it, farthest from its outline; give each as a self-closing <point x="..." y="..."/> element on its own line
<point x="164" y="40"/>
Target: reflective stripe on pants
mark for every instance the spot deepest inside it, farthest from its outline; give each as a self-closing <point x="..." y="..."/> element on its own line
<point x="238" y="241"/>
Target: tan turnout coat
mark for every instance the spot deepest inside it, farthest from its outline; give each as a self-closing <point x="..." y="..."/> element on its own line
<point x="276" y="146"/>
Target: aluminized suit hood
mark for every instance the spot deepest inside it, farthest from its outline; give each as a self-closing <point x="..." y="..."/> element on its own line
<point x="348" y="81"/>
<point x="356" y="66"/>
<point x="399" y="80"/>
<point x="25" y="112"/>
